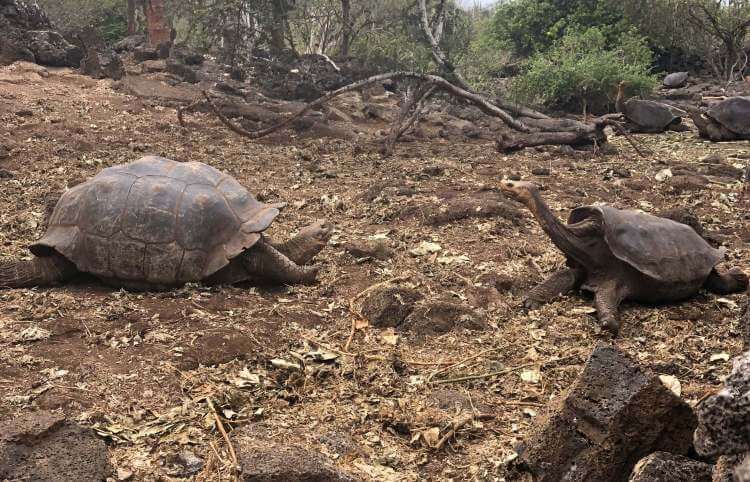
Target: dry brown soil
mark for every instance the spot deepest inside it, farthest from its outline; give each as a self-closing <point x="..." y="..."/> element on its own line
<point x="139" y="367"/>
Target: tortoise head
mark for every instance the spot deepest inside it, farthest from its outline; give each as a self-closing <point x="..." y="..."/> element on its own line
<point x="521" y="191"/>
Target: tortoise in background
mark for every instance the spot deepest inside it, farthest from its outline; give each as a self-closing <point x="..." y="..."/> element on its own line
<point x="625" y="254"/>
<point x="647" y="116"/>
<point x="728" y="120"/>
<point x="155" y="223"/>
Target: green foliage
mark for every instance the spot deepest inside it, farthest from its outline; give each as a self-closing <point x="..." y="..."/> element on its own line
<point x="529" y="26"/>
<point x="485" y="59"/>
<point x="581" y="71"/>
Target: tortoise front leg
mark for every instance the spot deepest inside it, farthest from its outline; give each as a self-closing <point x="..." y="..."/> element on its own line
<point x="558" y="284"/>
<point x="310" y="241"/>
<point x="266" y="262"/>
<point x="607" y="299"/>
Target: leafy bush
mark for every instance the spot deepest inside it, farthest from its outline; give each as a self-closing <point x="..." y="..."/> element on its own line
<point x="529" y="26"/>
<point x="579" y="71"/>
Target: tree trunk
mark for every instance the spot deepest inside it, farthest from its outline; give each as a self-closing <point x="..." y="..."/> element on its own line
<point x="346" y="28"/>
<point x="159" y="31"/>
<point x="277" y="26"/>
<point x="132" y="23"/>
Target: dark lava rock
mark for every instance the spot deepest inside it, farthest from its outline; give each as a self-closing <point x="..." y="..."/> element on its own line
<point x="622" y="173"/>
<point x="265" y="460"/>
<point x="723" y="170"/>
<point x="388" y="307"/>
<point x="185" y="72"/>
<point x="186" y="56"/>
<point x="713" y="158"/>
<point x="615" y="414"/>
<point x="500" y="282"/>
<point x="688" y="183"/>
<point x="441" y="317"/>
<point x="130" y="43"/>
<point x="217" y="349"/>
<point x="42" y="446"/>
<point x="378" y="249"/>
<point x="675" y="80"/>
<point x="666" y="467"/>
<point x="6" y="174"/>
<point x="541" y="171"/>
<point x="724" y="418"/>
<point x="4" y="152"/>
<point x="684" y="216"/>
<point x="50" y="48"/>
<point x="143" y="53"/>
<point x="467" y="208"/>
<point x="103" y="64"/>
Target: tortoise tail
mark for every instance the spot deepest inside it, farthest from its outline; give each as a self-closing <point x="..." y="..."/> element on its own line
<point x="35" y="272"/>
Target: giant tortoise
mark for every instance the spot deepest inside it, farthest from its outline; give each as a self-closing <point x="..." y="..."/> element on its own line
<point x="624" y="254"/>
<point x="647" y="116"/>
<point x="157" y="223"/>
<point x="728" y="120"/>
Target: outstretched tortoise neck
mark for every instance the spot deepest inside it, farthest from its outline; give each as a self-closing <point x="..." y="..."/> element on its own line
<point x="559" y="233"/>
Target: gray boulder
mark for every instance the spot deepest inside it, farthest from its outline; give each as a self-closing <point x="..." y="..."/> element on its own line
<point x="675" y="80"/>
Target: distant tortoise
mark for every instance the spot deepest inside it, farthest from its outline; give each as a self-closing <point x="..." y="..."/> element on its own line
<point x="675" y="80"/>
<point x="623" y="254"/>
<point x="155" y="224"/>
<point x="647" y="116"/>
<point x="728" y="120"/>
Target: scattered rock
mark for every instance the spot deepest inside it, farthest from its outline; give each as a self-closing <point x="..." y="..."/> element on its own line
<point x="216" y="349"/>
<point x="541" y="171"/>
<point x="675" y="80"/>
<point x="44" y="446"/>
<point x="380" y="112"/>
<point x="724" y="418"/>
<point x="130" y="43"/>
<point x="4" y="152"/>
<point x="377" y="249"/>
<point x="621" y="172"/>
<point x="713" y="158"/>
<point x="6" y="174"/>
<point x="723" y="170"/>
<point x="103" y="64"/>
<point x="500" y="282"/>
<point x="151" y="66"/>
<point x="615" y="414"/>
<point x="185" y="72"/>
<point x="186" y="56"/>
<point x="666" y="467"/>
<point x="25" y="113"/>
<point x="684" y="216"/>
<point x="265" y="460"/>
<point x="441" y="317"/>
<point x="389" y="307"/>
<point x="688" y="183"/>
<point x="143" y="53"/>
<point x="466" y="208"/>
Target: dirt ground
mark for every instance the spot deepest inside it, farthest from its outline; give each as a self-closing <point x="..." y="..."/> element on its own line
<point x="147" y="370"/>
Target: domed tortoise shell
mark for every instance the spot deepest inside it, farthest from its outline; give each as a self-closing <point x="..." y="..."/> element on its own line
<point x="156" y="221"/>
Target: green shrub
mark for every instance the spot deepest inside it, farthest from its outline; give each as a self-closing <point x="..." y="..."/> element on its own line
<point x="580" y="72"/>
<point x="529" y="26"/>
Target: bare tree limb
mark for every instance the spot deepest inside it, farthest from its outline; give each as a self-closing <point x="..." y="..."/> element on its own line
<point x="413" y="104"/>
<point x="439" y="82"/>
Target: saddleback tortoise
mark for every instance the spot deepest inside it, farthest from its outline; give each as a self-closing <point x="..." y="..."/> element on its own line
<point x="625" y="254"/>
<point x="647" y="116"/>
<point x="728" y="120"/>
<point x="155" y="224"/>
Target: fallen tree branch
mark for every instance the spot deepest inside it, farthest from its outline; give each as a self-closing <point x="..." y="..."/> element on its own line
<point x="413" y="104"/>
<point x="439" y="82"/>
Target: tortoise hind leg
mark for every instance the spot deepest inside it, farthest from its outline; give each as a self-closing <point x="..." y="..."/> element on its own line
<point x="726" y="282"/>
<point x="266" y="262"/>
<point x="558" y="284"/>
<point x="310" y="241"/>
<point x="38" y="271"/>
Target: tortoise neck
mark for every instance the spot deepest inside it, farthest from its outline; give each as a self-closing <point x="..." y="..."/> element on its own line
<point x="558" y="232"/>
<point x="620" y="100"/>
